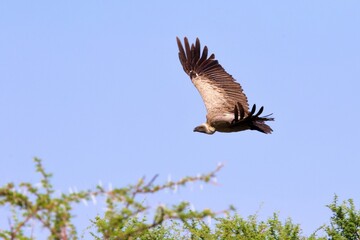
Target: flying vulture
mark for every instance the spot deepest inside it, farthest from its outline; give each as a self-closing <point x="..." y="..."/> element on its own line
<point x="226" y="103"/>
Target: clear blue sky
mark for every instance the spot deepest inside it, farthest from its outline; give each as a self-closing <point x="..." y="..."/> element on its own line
<point x="96" y="90"/>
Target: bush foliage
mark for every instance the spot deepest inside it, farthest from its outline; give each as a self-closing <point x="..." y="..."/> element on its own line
<point x="127" y="217"/>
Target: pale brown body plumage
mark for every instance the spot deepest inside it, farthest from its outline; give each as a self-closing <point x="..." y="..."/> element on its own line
<point x="223" y="97"/>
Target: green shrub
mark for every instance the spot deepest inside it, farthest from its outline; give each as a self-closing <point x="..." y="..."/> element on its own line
<point x="125" y="206"/>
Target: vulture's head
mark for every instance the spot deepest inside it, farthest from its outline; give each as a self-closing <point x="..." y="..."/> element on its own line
<point x="205" y="128"/>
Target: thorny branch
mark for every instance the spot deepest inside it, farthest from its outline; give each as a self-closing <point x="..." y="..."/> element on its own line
<point x="38" y="203"/>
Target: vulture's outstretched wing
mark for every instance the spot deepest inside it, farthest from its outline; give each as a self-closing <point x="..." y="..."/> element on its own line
<point x="218" y="89"/>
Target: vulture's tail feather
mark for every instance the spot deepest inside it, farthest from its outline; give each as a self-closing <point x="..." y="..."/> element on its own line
<point x="259" y="124"/>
